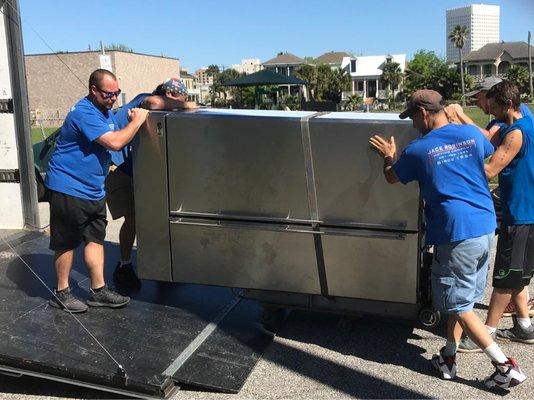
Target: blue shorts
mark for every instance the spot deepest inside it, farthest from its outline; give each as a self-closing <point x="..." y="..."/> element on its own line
<point x="459" y="273"/>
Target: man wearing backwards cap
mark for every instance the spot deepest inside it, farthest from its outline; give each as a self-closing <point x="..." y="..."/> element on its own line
<point x="171" y="94"/>
<point x="455" y="112"/>
<point x="448" y="163"/>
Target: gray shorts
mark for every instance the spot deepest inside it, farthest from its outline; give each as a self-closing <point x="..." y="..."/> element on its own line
<point x="459" y="273"/>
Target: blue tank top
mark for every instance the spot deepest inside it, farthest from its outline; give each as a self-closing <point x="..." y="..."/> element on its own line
<point x="517" y="179"/>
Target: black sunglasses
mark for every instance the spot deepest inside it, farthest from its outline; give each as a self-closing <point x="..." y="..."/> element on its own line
<point x="108" y="95"/>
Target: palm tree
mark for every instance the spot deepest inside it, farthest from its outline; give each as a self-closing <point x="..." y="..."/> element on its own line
<point x="391" y="75"/>
<point x="458" y="36"/>
<point x="353" y="101"/>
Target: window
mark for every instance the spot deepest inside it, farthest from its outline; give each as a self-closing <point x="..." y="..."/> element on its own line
<point x="472" y="69"/>
<point x="353" y="66"/>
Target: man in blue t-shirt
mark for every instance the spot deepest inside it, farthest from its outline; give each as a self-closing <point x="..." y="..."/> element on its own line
<point x="170" y="95"/>
<point x="448" y="163"/>
<point x="513" y="161"/>
<point x="75" y="179"/>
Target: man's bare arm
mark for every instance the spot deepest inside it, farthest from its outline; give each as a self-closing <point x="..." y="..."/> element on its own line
<point x="156" y="102"/>
<point x="116" y="140"/>
<point x="455" y="113"/>
<point x="504" y="154"/>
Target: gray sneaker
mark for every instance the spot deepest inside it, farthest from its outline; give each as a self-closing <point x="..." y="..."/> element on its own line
<point x="107" y="298"/>
<point x="66" y="301"/>
<point x="468" y="346"/>
<point x="517" y="333"/>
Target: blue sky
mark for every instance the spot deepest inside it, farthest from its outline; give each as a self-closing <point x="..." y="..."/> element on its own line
<point x="225" y="31"/>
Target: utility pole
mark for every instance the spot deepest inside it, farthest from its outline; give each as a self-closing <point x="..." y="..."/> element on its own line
<point x="530" y="68"/>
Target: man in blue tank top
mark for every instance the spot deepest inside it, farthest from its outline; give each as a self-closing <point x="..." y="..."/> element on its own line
<point x="513" y="161"/>
<point x="456" y="114"/>
<point x="75" y="179"/>
<point x="170" y="95"/>
<point x="448" y="163"/>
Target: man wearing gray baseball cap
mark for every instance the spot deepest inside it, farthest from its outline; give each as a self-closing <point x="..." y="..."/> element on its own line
<point x="448" y="163"/>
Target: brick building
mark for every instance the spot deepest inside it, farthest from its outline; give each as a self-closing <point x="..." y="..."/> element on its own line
<point x="53" y="89"/>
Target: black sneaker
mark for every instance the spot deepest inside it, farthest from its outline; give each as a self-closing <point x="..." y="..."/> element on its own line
<point x="125" y="276"/>
<point x="66" y="301"/>
<point x="517" y="333"/>
<point x="106" y="297"/>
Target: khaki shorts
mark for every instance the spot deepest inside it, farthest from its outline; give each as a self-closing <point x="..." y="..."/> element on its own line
<point x="119" y="194"/>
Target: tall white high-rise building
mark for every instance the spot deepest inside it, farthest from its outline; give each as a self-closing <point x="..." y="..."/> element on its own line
<point x="483" y="22"/>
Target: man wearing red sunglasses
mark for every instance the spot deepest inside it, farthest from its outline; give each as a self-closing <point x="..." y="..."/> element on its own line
<point x="75" y="179"/>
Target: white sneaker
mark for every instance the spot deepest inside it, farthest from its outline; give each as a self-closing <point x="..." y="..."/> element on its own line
<point x="512" y="375"/>
<point x="445" y="365"/>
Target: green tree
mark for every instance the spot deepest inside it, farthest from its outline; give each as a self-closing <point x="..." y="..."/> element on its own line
<point x="391" y="76"/>
<point x="212" y="70"/>
<point x="353" y="101"/>
<point x="518" y="75"/>
<point x="428" y="71"/>
<point x="458" y="36"/>
<point x="220" y="80"/>
<point x="309" y="74"/>
<point x="118" y="47"/>
<point x="331" y="83"/>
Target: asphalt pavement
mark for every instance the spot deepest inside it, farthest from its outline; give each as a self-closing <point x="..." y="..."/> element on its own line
<point x="323" y="356"/>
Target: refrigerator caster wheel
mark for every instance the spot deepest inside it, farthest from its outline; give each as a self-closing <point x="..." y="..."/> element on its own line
<point x="429" y="317"/>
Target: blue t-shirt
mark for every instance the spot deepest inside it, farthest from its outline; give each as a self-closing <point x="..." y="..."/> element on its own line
<point x="516" y="180"/>
<point x="448" y="164"/>
<point x="123" y="158"/>
<point x="79" y="164"/>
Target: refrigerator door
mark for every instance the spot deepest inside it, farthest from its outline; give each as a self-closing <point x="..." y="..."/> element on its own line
<point x="151" y="199"/>
<point x="371" y="265"/>
<point x="351" y="189"/>
<point x="244" y="164"/>
<point x="244" y="255"/>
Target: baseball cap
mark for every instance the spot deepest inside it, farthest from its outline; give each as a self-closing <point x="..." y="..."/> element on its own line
<point x="175" y="86"/>
<point x="425" y="98"/>
<point x="486" y="85"/>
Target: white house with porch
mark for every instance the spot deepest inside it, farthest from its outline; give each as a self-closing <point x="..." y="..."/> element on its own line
<point x="366" y="71"/>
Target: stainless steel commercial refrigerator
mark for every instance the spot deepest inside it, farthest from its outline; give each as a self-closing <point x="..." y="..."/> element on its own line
<point x="290" y="206"/>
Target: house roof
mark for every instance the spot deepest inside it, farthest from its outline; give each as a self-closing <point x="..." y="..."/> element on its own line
<point x="371" y="66"/>
<point x="265" y="77"/>
<point x="492" y="51"/>
<point x="285" y="58"/>
<point x="333" y="57"/>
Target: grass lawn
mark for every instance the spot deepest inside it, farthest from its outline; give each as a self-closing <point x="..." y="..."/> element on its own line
<point x="38" y="135"/>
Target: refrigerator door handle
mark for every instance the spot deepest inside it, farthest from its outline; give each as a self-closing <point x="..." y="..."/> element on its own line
<point x="244" y="225"/>
<point x="367" y="233"/>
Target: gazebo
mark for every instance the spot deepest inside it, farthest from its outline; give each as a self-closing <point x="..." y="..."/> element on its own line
<point x="265" y="77"/>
